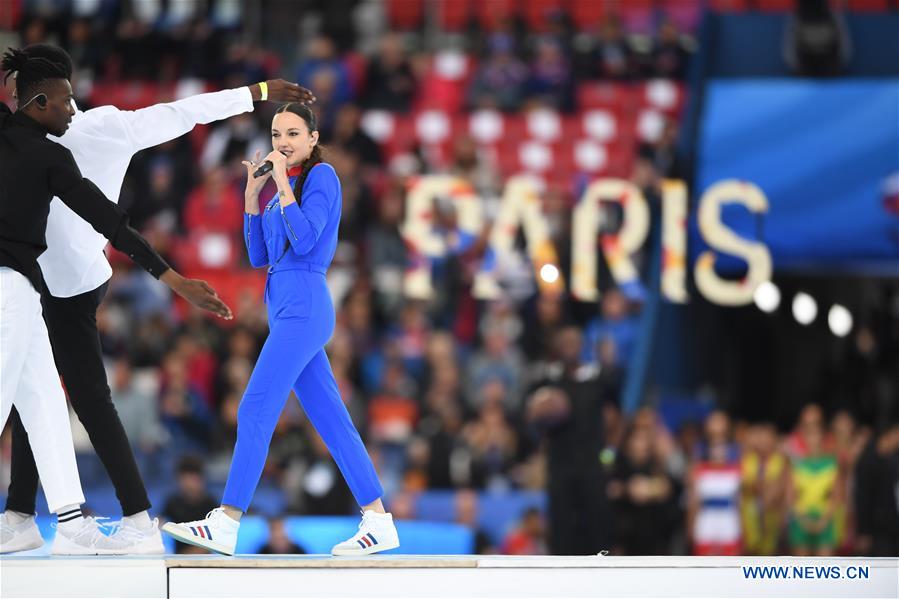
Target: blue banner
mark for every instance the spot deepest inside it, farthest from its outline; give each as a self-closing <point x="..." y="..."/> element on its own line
<point x="826" y="155"/>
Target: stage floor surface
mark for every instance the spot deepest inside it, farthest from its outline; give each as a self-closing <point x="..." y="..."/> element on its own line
<point x="446" y="576"/>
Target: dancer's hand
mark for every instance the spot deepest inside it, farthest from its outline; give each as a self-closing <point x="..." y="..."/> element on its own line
<point x="197" y="292"/>
<point x="280" y="90"/>
<point x="254" y="185"/>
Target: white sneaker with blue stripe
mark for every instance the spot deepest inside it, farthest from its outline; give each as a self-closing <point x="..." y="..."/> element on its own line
<point x="216" y="532"/>
<point x="376" y="533"/>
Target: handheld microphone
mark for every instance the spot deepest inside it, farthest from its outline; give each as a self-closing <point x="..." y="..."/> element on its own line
<point x="266" y="167"/>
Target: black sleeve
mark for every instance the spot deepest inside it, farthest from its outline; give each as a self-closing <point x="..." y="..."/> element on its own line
<point x="107" y="218"/>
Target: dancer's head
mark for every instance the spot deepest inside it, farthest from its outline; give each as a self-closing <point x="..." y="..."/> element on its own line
<point x="43" y="89"/>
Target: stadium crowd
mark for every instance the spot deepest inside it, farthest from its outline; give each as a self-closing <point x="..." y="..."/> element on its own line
<point x="456" y="394"/>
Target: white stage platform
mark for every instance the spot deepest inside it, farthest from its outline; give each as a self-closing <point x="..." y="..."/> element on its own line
<point x="462" y="576"/>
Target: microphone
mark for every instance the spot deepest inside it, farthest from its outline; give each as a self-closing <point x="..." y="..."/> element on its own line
<point x="266" y="167"/>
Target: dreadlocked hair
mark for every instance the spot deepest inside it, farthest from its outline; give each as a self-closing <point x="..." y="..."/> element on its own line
<point x="31" y="71"/>
<point x="316" y="157"/>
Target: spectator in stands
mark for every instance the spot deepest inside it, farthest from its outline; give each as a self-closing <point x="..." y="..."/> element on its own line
<point x="476" y="167"/>
<point x="449" y="463"/>
<point x="812" y="496"/>
<point x="323" y="490"/>
<point x="811" y="419"/>
<point x="232" y="141"/>
<point x="349" y="135"/>
<point x="184" y="413"/>
<point x="500" y="81"/>
<point x="386" y="254"/>
<point x="713" y="492"/>
<point x="358" y="200"/>
<point x="191" y="500"/>
<point x="849" y="440"/>
<point x="137" y="409"/>
<point x="214" y="206"/>
<point x="84" y="47"/>
<point x="662" y="154"/>
<point x="614" y="322"/>
<point x="613" y="56"/>
<point x="643" y="498"/>
<point x="390" y="84"/>
<point x="763" y="490"/>
<point x="278" y="542"/>
<point x="669" y="56"/>
<point x="466" y="503"/>
<point x="494" y="447"/>
<point x="568" y="409"/>
<point x="877" y="507"/>
<point x="551" y="81"/>
<point x="500" y="360"/>
<point x="528" y="538"/>
<point x="162" y="199"/>
<point x="321" y="56"/>
<point x="549" y="316"/>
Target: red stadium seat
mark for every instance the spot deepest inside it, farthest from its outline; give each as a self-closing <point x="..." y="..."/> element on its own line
<point x="868" y="5"/>
<point x="10" y="14"/>
<point x="454" y="15"/>
<point x="587" y="14"/>
<point x="493" y="12"/>
<point x="775" y="5"/>
<point x="729" y="5"/>
<point x="617" y="97"/>
<point x="403" y="137"/>
<point x="637" y="15"/>
<point x="685" y="14"/>
<point x="405" y="14"/>
<point x="536" y="12"/>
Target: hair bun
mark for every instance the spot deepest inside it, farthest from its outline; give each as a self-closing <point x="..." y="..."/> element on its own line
<point x="13" y="60"/>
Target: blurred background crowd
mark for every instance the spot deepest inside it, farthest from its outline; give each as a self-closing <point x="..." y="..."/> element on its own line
<point x="504" y="416"/>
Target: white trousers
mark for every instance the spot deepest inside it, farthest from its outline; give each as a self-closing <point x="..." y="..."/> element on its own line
<point x="29" y="381"/>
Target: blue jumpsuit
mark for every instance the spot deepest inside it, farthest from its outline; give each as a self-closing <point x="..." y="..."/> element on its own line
<point x="297" y="244"/>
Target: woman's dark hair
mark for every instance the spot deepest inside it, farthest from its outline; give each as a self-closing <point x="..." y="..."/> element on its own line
<point x="304" y="112"/>
<point x="31" y="70"/>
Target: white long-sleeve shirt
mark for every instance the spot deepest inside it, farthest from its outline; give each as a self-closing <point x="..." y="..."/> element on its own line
<point x="103" y="140"/>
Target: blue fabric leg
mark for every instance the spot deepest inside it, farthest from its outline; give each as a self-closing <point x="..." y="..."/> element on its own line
<point x="320" y="398"/>
<point x="286" y="353"/>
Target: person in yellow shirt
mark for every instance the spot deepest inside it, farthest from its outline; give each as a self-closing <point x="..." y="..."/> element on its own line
<point x="813" y="497"/>
<point x="763" y="491"/>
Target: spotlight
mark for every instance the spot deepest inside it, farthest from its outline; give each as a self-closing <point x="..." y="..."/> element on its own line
<point x="767" y="297"/>
<point x="804" y="308"/>
<point x="840" y="320"/>
<point x="549" y="273"/>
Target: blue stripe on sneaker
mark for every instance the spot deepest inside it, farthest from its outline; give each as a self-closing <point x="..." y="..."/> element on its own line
<point x="374" y="541"/>
<point x="361" y="544"/>
<point x="194" y="530"/>
<point x="208" y="534"/>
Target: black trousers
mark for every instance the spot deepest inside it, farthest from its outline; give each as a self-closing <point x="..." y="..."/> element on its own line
<point x="579" y="514"/>
<point x="72" y="324"/>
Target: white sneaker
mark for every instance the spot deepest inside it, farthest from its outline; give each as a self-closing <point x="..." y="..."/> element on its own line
<point x="141" y="542"/>
<point x="376" y="533"/>
<point x="217" y="532"/>
<point x="88" y="539"/>
<point x="19" y="537"/>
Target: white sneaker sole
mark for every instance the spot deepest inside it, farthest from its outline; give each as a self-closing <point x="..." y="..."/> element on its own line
<point x="349" y="551"/>
<point x="16" y="545"/>
<point x="66" y="548"/>
<point x="185" y="536"/>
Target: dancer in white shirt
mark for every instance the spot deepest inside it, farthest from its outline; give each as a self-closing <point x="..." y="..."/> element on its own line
<point x="103" y="141"/>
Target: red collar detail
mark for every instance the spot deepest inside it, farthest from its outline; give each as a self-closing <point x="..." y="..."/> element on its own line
<point x="295" y="170"/>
